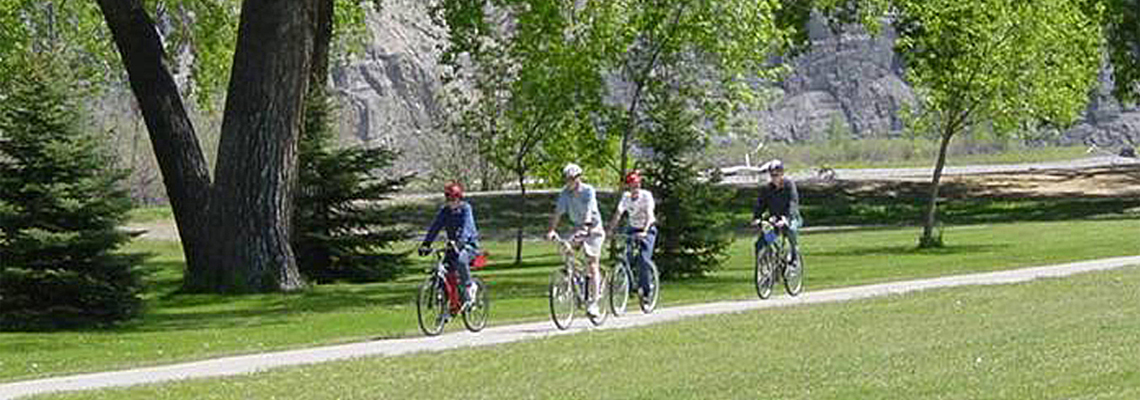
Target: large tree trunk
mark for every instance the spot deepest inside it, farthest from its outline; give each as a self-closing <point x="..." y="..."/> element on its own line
<point x="251" y="207"/>
<point x="184" y="169"/>
<point x="932" y="207"/>
<point x="322" y="39"/>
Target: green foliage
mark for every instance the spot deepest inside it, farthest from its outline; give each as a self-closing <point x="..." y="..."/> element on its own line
<point x="1122" y="20"/>
<point x="999" y="62"/>
<point x="71" y="31"/>
<point x="539" y="88"/>
<point x="340" y="230"/>
<point x="60" y="207"/>
<point x="693" y="232"/>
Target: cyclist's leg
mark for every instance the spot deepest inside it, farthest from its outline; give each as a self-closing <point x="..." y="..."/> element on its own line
<point x="793" y="233"/>
<point x="460" y="263"/>
<point x="592" y="246"/>
<point x="646" y="260"/>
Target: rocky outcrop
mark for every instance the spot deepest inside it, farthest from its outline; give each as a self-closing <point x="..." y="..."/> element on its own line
<point x="389" y="94"/>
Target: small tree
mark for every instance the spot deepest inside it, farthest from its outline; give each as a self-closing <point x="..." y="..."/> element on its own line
<point x="692" y="235"/>
<point x="995" y="65"/>
<point x="341" y="232"/>
<point x="60" y="206"/>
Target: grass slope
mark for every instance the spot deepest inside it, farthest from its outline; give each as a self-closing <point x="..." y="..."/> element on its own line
<point x="1072" y="338"/>
<point x="178" y="327"/>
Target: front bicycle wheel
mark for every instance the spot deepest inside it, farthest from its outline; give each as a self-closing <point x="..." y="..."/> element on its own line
<point x="431" y="306"/>
<point x="764" y="277"/>
<point x="475" y="317"/>
<point x="561" y="299"/>
<point x="794" y="276"/>
<point x="619" y="288"/>
<point x="649" y="303"/>
<point x="603" y="298"/>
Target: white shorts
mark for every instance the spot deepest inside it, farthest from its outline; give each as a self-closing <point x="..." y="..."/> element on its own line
<point x="593" y="242"/>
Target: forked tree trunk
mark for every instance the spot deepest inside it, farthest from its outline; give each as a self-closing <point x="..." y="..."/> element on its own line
<point x="235" y="236"/>
<point x="252" y="204"/>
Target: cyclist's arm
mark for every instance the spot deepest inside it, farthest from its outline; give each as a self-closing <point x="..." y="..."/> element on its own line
<point x="436" y="225"/>
<point x="470" y="232"/>
<point x="617" y="214"/>
<point x="760" y="206"/>
<point x="651" y="206"/>
<point x="591" y="204"/>
<point x="560" y="207"/>
<point x="794" y="201"/>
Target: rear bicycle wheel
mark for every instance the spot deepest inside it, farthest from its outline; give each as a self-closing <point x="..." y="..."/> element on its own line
<point x="561" y="299"/>
<point x="619" y="288"/>
<point x="431" y="306"/>
<point x="764" y="276"/>
<point x="475" y="317"/>
<point x="649" y="303"/>
<point x="603" y="299"/>
<point x="794" y="276"/>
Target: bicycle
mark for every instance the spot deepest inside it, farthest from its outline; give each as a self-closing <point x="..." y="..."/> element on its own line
<point x="569" y="286"/>
<point x="774" y="263"/>
<point x="625" y="276"/>
<point x="439" y="300"/>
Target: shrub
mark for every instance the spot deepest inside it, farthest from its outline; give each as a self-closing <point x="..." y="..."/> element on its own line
<point x="60" y="206"/>
<point x="691" y="239"/>
<point x="340" y="231"/>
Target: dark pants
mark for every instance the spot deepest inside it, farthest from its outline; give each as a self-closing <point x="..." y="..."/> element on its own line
<point x="460" y="262"/>
<point x="646" y="259"/>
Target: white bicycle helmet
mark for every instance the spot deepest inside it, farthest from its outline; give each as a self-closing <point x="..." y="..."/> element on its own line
<point x="774" y="165"/>
<point x="571" y="170"/>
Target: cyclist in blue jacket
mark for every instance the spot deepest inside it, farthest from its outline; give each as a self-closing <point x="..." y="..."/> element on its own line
<point x="458" y="220"/>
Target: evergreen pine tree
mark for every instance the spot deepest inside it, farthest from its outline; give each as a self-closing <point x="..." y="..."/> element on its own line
<point x="60" y="206"/>
<point x="692" y="235"/>
<point x="340" y="231"/>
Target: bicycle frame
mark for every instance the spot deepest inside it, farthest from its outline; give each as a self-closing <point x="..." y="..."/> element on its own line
<point x="630" y="251"/>
<point x="571" y="250"/>
<point x="450" y="279"/>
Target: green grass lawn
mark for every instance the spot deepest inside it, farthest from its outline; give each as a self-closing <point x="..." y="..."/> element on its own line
<point x="143" y="215"/>
<point x="179" y="327"/>
<point x="1071" y="338"/>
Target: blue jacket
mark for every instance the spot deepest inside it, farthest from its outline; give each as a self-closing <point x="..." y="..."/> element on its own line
<point x="459" y="223"/>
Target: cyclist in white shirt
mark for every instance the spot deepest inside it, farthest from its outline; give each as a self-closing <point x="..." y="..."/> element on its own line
<point x="578" y="201"/>
<point x="642" y="227"/>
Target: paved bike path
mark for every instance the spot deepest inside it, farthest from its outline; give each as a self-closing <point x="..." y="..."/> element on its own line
<point x="512" y="333"/>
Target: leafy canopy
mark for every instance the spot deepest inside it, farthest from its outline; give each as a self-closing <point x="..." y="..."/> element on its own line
<point x="1005" y="62"/>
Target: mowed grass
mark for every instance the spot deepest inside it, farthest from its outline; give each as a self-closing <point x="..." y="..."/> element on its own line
<point x="178" y="327"/>
<point x="1068" y="338"/>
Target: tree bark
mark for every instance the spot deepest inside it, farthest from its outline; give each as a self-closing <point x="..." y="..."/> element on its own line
<point x="184" y="169"/>
<point x="322" y="40"/>
<point x="251" y="206"/>
<point x="522" y="218"/>
<point x="932" y="207"/>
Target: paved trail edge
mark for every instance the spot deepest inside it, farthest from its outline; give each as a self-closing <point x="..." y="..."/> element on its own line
<point x="512" y="333"/>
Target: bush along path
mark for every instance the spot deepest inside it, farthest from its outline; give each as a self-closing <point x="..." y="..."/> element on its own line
<point x="504" y="334"/>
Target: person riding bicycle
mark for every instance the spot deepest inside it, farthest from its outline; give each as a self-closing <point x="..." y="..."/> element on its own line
<point x="780" y="199"/>
<point x="578" y="201"/>
<point x="642" y="227"/>
<point x="458" y="219"/>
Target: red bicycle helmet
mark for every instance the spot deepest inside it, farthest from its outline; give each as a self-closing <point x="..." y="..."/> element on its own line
<point x="633" y="177"/>
<point x="453" y="190"/>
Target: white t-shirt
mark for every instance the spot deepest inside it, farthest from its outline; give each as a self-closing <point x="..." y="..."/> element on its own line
<point x="640" y="209"/>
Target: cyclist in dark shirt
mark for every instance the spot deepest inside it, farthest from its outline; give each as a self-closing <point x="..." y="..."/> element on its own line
<point x="457" y="219"/>
<point x="781" y="201"/>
